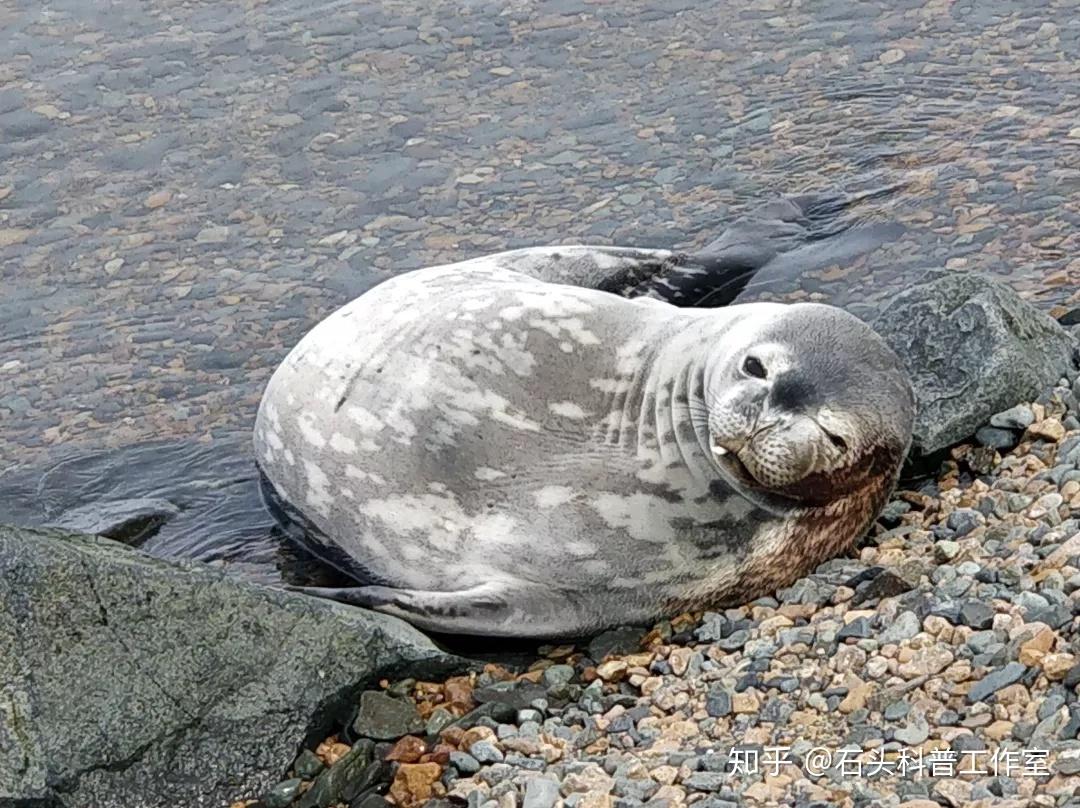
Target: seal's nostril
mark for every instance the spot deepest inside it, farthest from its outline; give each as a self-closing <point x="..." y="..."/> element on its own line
<point x="837" y="441"/>
<point x="752" y="366"/>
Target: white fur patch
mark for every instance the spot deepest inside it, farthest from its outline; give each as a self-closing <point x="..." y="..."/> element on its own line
<point x="552" y="496"/>
<point x="567" y="409"/>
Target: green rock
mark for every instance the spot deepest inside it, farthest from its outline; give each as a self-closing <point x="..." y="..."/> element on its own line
<point x="307" y="765"/>
<point x="439" y="720"/>
<point x="129" y="681"/>
<point x="281" y="795"/>
<point x="385" y="718"/>
<point x="356" y="772"/>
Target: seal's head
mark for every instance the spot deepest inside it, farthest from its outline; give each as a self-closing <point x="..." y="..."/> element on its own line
<point x="807" y="405"/>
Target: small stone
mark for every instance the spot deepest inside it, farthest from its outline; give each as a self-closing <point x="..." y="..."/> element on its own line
<point x="1049" y="429"/>
<point x="706" y="781"/>
<point x="541" y="792"/>
<point x="964" y="520"/>
<point x="307" y="765"/>
<point x="859" y="628"/>
<point x="904" y="627"/>
<point x="745" y="702"/>
<point x="439" y="720"/>
<point x="590" y="777"/>
<point x="1019" y="418"/>
<point x="407" y="750"/>
<point x="896" y="710"/>
<point x="385" y="718"/>
<point x="613" y="670"/>
<point x="281" y="795"/>
<point x="212" y="235"/>
<point x="926" y="662"/>
<point x="558" y="675"/>
<point x="855" y="699"/>
<point x="615" y="642"/>
<point x="953" y="791"/>
<point x="414" y="783"/>
<point x="885" y="584"/>
<point x="995" y="681"/>
<point x="718" y="701"/>
<point x="486" y="752"/>
<point x="892" y="56"/>
<point x="1068" y="761"/>
<point x="996" y="438"/>
<point x="946" y="550"/>
<point x="977" y="615"/>
<point x="502" y="71"/>
<point x="1056" y="666"/>
<point x="1037" y="646"/>
<point x="528" y="714"/>
<point x="736" y="640"/>
<point x="158" y="199"/>
<point x="1046" y="31"/>
<point x="679" y="659"/>
<point x="464" y="762"/>
<point x="913" y="734"/>
<point x="349" y="776"/>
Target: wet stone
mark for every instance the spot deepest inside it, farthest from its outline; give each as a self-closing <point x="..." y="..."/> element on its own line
<point x="558" y="675"/>
<point x="347" y="778"/>
<point x="616" y="642"/>
<point x="307" y="765"/>
<point x="386" y="718"/>
<point x="995" y="438"/>
<point x="281" y="795"/>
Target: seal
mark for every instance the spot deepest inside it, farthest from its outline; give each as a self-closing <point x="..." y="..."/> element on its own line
<point x="489" y="453"/>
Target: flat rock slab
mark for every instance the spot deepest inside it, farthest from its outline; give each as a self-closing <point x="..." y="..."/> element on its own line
<point x="127" y="681"/>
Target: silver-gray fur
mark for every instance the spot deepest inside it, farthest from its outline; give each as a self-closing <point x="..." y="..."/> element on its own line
<point x="506" y="456"/>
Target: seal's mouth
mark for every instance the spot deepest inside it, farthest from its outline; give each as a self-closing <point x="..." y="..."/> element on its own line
<point x="726" y="456"/>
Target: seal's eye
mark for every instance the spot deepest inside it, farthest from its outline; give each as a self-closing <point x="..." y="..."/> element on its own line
<point x="752" y="367"/>
<point x="837" y="441"/>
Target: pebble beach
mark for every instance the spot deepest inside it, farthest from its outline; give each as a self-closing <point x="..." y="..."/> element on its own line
<point x="936" y="665"/>
<point x="189" y="187"/>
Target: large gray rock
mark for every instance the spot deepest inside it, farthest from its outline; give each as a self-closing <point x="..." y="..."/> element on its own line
<point x="126" y="681"/>
<point x="973" y="348"/>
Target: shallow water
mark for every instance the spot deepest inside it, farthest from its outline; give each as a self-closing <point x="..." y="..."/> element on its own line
<point x="186" y="189"/>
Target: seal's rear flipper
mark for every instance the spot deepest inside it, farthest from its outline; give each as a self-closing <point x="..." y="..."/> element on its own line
<point x="766" y="236"/>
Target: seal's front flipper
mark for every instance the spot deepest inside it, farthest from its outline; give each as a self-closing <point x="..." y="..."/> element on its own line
<point x="371" y="597"/>
<point x="497" y="609"/>
<point x="416" y="604"/>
